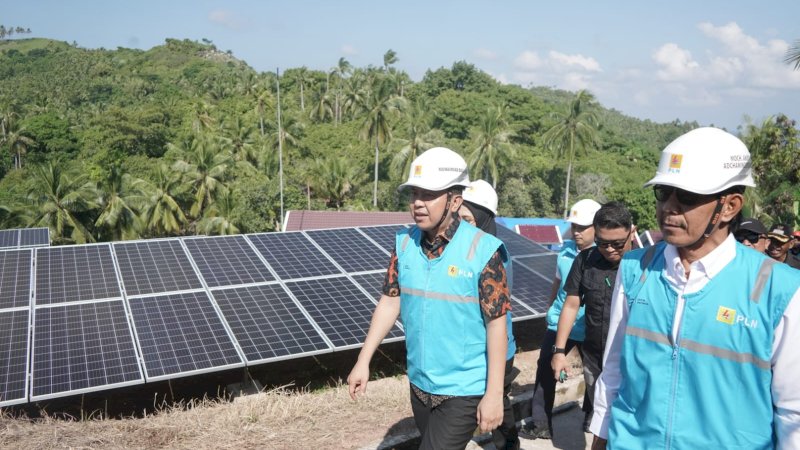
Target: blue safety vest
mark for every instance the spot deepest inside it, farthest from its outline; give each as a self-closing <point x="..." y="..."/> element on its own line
<point x="440" y="310"/>
<point x="563" y="265"/>
<point x="711" y="388"/>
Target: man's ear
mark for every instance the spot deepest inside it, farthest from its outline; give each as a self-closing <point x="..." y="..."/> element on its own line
<point x="455" y="205"/>
<point x="732" y="204"/>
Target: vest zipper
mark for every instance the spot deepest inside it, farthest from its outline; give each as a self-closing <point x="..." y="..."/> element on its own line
<point x="675" y="365"/>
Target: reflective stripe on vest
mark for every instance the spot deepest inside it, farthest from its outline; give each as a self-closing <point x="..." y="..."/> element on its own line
<point x="440" y="296"/>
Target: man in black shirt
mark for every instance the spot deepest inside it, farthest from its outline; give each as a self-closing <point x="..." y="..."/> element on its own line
<point x="590" y="282"/>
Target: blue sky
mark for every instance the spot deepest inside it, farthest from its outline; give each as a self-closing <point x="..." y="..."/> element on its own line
<point x="711" y="61"/>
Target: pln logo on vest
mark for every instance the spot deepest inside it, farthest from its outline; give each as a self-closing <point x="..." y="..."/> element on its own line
<point x="454" y="271"/>
<point x="729" y="316"/>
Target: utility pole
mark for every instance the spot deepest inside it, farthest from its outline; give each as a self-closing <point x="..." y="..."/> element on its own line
<point x="280" y="139"/>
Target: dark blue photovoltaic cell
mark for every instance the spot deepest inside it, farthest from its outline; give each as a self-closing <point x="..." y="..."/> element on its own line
<point x="227" y="261"/>
<point x="530" y="288"/>
<point x="9" y="238"/>
<point x="181" y="333"/>
<point x="350" y="249"/>
<point x="149" y="267"/>
<point x="292" y="255"/>
<point x="15" y="278"/>
<point x="383" y="235"/>
<point x="340" y="309"/>
<point x="13" y="356"/>
<point x="85" y="346"/>
<point x="519" y="311"/>
<point x="372" y="283"/>
<point x="518" y="245"/>
<point x="34" y="237"/>
<point x="267" y="323"/>
<point x="544" y="265"/>
<point x="80" y="272"/>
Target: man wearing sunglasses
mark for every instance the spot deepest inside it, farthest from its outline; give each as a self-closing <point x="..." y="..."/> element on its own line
<point x="780" y="242"/>
<point x="589" y="284"/>
<point x="753" y="234"/>
<point x="702" y="347"/>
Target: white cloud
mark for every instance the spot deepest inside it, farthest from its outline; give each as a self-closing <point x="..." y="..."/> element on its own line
<point x="561" y="60"/>
<point x="226" y="18"/>
<point x="571" y="72"/>
<point x="485" y="53"/>
<point x="527" y="61"/>
<point x="348" y="50"/>
<point x="675" y="63"/>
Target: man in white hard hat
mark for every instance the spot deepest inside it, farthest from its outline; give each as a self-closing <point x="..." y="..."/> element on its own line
<point x="702" y="344"/>
<point x="580" y="217"/>
<point x="447" y="281"/>
<point x="480" y="209"/>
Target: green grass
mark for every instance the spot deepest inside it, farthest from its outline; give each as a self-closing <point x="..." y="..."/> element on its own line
<point x="28" y="44"/>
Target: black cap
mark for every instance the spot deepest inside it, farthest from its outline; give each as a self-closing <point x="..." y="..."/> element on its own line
<point x="781" y="232"/>
<point x="754" y="225"/>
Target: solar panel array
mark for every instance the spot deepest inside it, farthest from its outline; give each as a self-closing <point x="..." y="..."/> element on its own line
<point x="24" y="238"/>
<point x="90" y="317"/>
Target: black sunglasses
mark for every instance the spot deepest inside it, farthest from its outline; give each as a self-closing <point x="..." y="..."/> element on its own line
<point x="616" y="245"/>
<point x="685" y="198"/>
<point x="749" y="236"/>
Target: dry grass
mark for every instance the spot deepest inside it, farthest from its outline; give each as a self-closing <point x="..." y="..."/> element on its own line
<point x="277" y="419"/>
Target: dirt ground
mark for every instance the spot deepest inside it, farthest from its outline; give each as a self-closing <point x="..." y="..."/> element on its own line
<point x="282" y="418"/>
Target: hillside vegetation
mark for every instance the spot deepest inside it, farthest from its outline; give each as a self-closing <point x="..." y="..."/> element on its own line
<point x="183" y="139"/>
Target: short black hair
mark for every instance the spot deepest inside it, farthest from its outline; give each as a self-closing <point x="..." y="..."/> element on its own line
<point x="613" y="215"/>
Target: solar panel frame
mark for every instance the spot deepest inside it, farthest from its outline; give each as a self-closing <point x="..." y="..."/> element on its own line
<point x="117" y="337"/>
<point x="382" y="235"/>
<point x="9" y="238"/>
<point x="324" y="313"/>
<point x="87" y="283"/>
<point x="357" y="256"/>
<point x="298" y="252"/>
<point x="243" y="253"/>
<point x="368" y="281"/>
<point x="14" y="359"/>
<point x="214" y="322"/>
<point x="530" y="289"/>
<point x="34" y="237"/>
<point x="251" y="328"/>
<point x="519" y="245"/>
<point x="15" y="288"/>
<point x="543" y="265"/>
<point x="137" y="259"/>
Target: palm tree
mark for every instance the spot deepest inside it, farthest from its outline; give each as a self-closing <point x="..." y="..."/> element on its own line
<point x="793" y="55"/>
<point x="321" y="107"/>
<point x="201" y="116"/>
<point x="418" y="137"/>
<point x="389" y="58"/>
<point x="264" y="101"/>
<point x="335" y="179"/>
<point x="162" y="214"/>
<point x="238" y="137"/>
<point x="121" y="196"/>
<point x="302" y="77"/>
<point x="217" y="217"/>
<point x="58" y="198"/>
<point x="575" y="130"/>
<point x="205" y="166"/>
<point x="340" y="71"/>
<point x="379" y="105"/>
<point x="16" y="137"/>
<point x="491" y="146"/>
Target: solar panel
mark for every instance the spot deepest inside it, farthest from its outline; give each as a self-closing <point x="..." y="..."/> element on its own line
<point x="149" y="267"/>
<point x="9" y="238"/>
<point x="181" y="334"/>
<point x="383" y="235"/>
<point x="340" y="309"/>
<point x="82" y="347"/>
<point x="268" y="324"/>
<point x="544" y="265"/>
<point x="34" y="237"/>
<point x="74" y="273"/>
<point x="292" y="255"/>
<point x="521" y="311"/>
<point x="13" y="356"/>
<point x="227" y="261"/>
<point x="350" y="249"/>
<point x="518" y="245"/>
<point x="372" y="283"/>
<point x="15" y="278"/>
<point x="530" y="289"/>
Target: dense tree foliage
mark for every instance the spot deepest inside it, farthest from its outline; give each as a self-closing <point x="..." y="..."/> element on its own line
<point x="182" y="139"/>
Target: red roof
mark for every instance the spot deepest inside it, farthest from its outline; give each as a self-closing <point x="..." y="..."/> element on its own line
<point x="543" y="234"/>
<point x="315" y="220"/>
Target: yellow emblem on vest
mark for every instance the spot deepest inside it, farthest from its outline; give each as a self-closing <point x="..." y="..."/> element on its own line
<point x="726" y="315"/>
<point x="452" y="271"/>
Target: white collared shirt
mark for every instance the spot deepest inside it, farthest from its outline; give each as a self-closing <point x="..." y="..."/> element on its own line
<point x="785" y="358"/>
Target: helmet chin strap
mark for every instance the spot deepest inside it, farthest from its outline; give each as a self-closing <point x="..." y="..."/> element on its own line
<point x="444" y="213"/>
<point x="712" y="222"/>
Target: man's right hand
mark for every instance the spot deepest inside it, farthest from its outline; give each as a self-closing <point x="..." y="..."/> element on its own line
<point x="599" y="443"/>
<point x="357" y="380"/>
<point x="558" y="363"/>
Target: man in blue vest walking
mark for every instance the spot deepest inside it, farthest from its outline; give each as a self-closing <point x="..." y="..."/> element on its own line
<point x="702" y="342"/>
<point x="447" y="281"/>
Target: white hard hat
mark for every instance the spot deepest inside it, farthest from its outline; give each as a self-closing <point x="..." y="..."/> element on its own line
<point x="437" y="169"/>
<point x="582" y="212"/>
<point x="482" y="194"/>
<point x="705" y="161"/>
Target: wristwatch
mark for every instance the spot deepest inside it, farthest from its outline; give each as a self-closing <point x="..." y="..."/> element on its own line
<point x="557" y="350"/>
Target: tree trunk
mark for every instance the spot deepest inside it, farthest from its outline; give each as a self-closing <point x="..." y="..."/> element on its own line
<point x="302" y="99"/>
<point x="566" y="191"/>
<point x="375" y="188"/>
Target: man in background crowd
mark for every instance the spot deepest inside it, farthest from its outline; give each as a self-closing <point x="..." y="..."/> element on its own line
<point x="752" y="233"/>
<point x="780" y="241"/>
